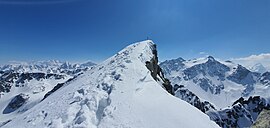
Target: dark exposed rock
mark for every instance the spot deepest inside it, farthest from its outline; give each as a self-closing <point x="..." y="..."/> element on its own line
<point x="210" y="67"/>
<point x="263" y="120"/>
<point x="243" y="76"/>
<point x="172" y="65"/>
<point x="265" y="78"/>
<point x="188" y="96"/>
<point x="243" y="113"/>
<point x="4" y="123"/>
<point x="168" y="86"/>
<point x="58" y="86"/>
<point x="156" y="71"/>
<point x="16" y="103"/>
<point x="207" y="84"/>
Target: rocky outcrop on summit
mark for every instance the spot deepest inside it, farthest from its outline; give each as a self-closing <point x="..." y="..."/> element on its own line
<point x="156" y="71"/>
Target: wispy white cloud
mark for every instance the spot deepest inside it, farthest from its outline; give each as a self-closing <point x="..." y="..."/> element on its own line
<point x="202" y="53"/>
<point x="262" y="56"/>
<point x="250" y="61"/>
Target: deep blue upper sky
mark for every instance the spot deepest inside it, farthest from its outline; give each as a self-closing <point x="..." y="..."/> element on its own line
<point x="79" y="30"/>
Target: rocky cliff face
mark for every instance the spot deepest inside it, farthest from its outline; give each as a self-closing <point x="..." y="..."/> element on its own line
<point x="156" y="71"/>
<point x="244" y="76"/>
<point x="183" y="93"/>
<point x="265" y="78"/>
<point x="173" y="65"/>
<point x="243" y="113"/>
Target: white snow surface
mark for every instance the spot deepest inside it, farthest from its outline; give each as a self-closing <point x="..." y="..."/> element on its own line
<point x="118" y="93"/>
<point x="34" y="89"/>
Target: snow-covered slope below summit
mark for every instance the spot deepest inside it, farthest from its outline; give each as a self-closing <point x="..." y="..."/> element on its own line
<point x="120" y="92"/>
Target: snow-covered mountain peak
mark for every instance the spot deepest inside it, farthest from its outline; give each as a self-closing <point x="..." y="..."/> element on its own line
<point x="258" y="68"/>
<point x="211" y="58"/>
<point x="119" y="92"/>
<point x="139" y="49"/>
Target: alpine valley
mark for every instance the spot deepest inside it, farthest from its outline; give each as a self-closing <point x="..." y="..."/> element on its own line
<point x="133" y="89"/>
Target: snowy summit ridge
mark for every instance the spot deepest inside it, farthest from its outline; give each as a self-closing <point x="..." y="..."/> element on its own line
<point x="119" y="92"/>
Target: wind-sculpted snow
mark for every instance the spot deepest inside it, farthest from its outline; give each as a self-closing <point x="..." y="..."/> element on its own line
<point x="118" y="93"/>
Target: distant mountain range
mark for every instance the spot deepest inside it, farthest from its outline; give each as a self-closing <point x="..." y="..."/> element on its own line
<point x="220" y="82"/>
<point x="51" y="66"/>
<point x="229" y="93"/>
<point x="132" y="89"/>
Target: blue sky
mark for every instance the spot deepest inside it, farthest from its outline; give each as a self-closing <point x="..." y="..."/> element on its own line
<point x="80" y="30"/>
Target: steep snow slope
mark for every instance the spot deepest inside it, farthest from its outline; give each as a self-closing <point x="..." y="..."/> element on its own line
<point x="119" y="92"/>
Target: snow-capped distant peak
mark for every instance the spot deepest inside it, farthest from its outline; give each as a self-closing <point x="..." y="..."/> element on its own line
<point x="211" y="58"/>
<point x="258" y="68"/>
